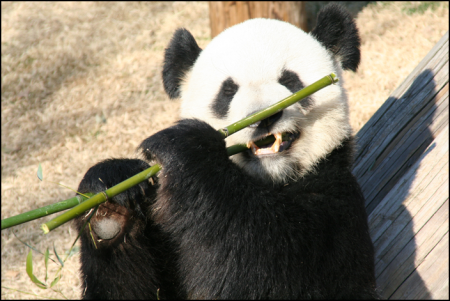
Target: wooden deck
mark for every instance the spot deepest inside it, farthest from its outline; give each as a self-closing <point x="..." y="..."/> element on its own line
<point x="402" y="167"/>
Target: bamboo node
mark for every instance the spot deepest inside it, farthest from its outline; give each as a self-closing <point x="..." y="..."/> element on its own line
<point x="224" y="132"/>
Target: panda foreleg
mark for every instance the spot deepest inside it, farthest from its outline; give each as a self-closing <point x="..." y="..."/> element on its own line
<point x="124" y="255"/>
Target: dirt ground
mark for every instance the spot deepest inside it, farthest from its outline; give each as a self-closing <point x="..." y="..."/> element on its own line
<point x="81" y="82"/>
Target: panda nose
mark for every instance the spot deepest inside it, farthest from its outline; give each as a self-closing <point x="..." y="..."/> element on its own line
<point x="265" y="123"/>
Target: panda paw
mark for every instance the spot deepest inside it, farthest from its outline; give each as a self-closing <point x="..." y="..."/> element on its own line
<point x="186" y="147"/>
<point x="126" y="213"/>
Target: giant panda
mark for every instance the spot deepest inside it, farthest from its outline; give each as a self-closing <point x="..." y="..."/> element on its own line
<point x="280" y="221"/>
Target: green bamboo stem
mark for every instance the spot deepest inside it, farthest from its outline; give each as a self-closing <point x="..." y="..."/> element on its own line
<point x="227" y="131"/>
<point x="121" y="187"/>
<point x="43" y="211"/>
<point x="80" y="208"/>
<point x="281" y="105"/>
<point x="99" y="198"/>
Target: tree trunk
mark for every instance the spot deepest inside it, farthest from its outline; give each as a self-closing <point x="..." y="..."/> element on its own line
<point x="223" y="14"/>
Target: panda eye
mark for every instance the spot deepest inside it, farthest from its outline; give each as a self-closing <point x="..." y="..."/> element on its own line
<point x="223" y="99"/>
<point x="292" y="82"/>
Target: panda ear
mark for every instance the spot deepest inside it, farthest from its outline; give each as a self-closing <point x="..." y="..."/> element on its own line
<point x="337" y="32"/>
<point x="179" y="57"/>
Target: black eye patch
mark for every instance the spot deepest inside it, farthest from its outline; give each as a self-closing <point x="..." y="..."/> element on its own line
<point x="292" y="82"/>
<point x="223" y="99"/>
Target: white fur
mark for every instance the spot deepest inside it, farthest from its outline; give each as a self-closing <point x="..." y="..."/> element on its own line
<point x="253" y="54"/>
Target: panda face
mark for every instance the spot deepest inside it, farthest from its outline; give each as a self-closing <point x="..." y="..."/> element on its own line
<point x="253" y="65"/>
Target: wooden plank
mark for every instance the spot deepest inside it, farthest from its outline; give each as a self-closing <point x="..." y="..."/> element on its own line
<point x="405" y="153"/>
<point x="403" y="230"/>
<point x="403" y="264"/>
<point x="376" y="126"/>
<point x="432" y="232"/>
<point x="401" y="128"/>
<point x="402" y="167"/>
<point x="395" y="159"/>
<point x="400" y="247"/>
<point x="390" y="224"/>
<point x="432" y="168"/>
<point x="377" y="120"/>
<point x="383" y="223"/>
<point x="434" y="271"/>
<point x="437" y="278"/>
<point x="416" y="103"/>
<point x="406" y="147"/>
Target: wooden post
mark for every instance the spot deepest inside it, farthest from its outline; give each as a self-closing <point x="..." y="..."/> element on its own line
<point x="223" y="14"/>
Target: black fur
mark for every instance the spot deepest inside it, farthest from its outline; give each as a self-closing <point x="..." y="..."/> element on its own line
<point x="140" y="259"/>
<point x="242" y="239"/>
<point x="221" y="103"/>
<point x="337" y="32"/>
<point x="179" y="57"/>
<point x="292" y="82"/>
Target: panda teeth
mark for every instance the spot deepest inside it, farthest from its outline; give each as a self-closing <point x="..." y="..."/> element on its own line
<point x="276" y="145"/>
<point x="251" y="145"/>
<point x="265" y="151"/>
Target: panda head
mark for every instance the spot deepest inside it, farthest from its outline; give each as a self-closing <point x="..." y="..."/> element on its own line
<point x="257" y="63"/>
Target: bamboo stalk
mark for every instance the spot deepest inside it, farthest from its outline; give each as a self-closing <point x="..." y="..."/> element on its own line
<point x="121" y="187"/>
<point x="111" y="192"/>
<point x="281" y="105"/>
<point x="43" y="211"/>
<point x="80" y="208"/>
<point x="99" y="198"/>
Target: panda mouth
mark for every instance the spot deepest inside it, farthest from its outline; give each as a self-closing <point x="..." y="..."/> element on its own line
<point x="282" y="142"/>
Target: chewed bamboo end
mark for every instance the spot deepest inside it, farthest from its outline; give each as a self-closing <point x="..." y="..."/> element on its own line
<point x="44" y="228"/>
<point x="334" y="79"/>
<point x="224" y="132"/>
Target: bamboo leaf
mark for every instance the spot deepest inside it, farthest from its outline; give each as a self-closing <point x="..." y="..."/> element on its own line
<point x="57" y="256"/>
<point x="74" y="190"/>
<point x="47" y="253"/>
<point x="55" y="281"/>
<point x="74" y="250"/>
<point x="31" y="247"/>
<point x="30" y="271"/>
<point x="39" y="172"/>
<point x="92" y="236"/>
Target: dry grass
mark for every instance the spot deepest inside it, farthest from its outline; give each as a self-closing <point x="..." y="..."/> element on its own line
<point x="81" y="83"/>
